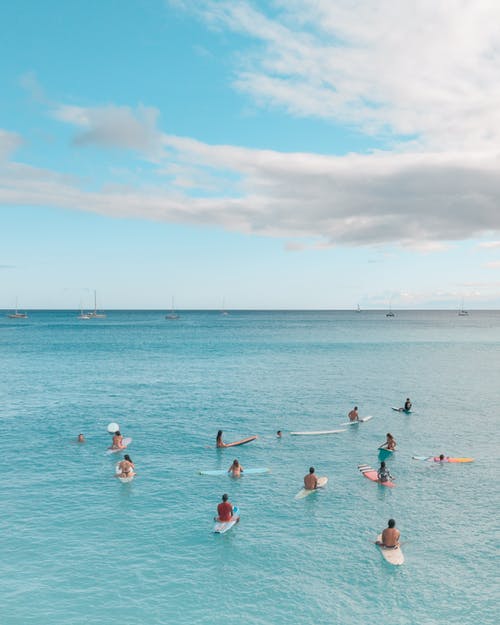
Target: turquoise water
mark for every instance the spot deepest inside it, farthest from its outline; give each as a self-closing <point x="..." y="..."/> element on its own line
<point x="79" y="547"/>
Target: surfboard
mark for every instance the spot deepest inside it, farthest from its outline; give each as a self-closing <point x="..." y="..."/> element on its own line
<point x="317" y="433"/>
<point x="126" y="442"/>
<point x="370" y="473"/>
<point x="113" y="427"/>
<point x="217" y="472"/>
<point x="447" y="459"/>
<point x="389" y="451"/>
<point x="243" y="441"/>
<point x="123" y="480"/>
<point x="360" y="420"/>
<point x="393" y="555"/>
<point x="304" y="492"/>
<point x="401" y="410"/>
<point x="221" y="527"/>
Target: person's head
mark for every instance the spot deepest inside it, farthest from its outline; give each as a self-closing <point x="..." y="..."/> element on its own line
<point x="278" y="433"/>
<point x="389" y="435"/>
<point x="117" y="433"/>
<point x="127" y="457"/>
<point x="407" y="399"/>
<point x="441" y="457"/>
<point x="225" y="497"/>
<point x="391" y="523"/>
<point x="382" y="465"/>
<point x="311" y="469"/>
<point x="355" y="407"/>
<point x="236" y="463"/>
<point x="81" y="437"/>
<point x="219" y="433"/>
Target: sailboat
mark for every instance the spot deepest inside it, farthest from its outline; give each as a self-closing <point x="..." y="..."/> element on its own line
<point x="94" y="314"/>
<point x="83" y="315"/>
<point x="358" y="309"/>
<point x="17" y="314"/>
<point x="172" y="314"/>
<point x="223" y="311"/>
<point x="390" y="313"/>
<point x="461" y="311"/>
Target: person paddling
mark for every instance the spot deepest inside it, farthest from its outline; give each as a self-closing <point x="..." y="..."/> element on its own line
<point x="390" y="536"/>
<point x="384" y="475"/>
<point x="354" y="415"/>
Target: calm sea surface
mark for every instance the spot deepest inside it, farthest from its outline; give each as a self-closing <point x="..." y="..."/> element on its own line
<point x="78" y="547"/>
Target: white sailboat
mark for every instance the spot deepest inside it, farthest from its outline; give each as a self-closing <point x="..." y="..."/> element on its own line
<point x="358" y="309"/>
<point x="17" y="314"/>
<point x="83" y="315"/>
<point x="390" y="313"/>
<point x="461" y="311"/>
<point x="172" y="314"/>
<point x="94" y="314"/>
<point x="223" y="311"/>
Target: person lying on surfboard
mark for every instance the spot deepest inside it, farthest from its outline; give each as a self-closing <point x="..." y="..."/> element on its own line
<point x="354" y="415"/>
<point x="236" y="469"/>
<point x="384" y="475"/>
<point x="441" y="458"/>
<point x="310" y="480"/>
<point x="224" y="510"/>
<point x="390" y="536"/>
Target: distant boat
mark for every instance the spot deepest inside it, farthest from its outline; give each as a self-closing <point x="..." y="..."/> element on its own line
<point x="223" y="311"/>
<point x="390" y="313"/>
<point x="172" y="314"/>
<point x="83" y="315"/>
<point x="358" y="309"/>
<point x="94" y="314"/>
<point x="17" y="314"/>
<point x="461" y="311"/>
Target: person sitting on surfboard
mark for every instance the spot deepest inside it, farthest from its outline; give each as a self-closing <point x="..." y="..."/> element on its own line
<point x="80" y="439"/>
<point x="224" y="510"/>
<point x="390" y="442"/>
<point x="390" y="536"/>
<point x="236" y="469"/>
<point x="353" y="415"/>
<point x="117" y="441"/>
<point x="407" y="405"/>
<point x="310" y="480"/>
<point x="218" y="441"/>
<point x="126" y="467"/>
<point x="384" y="475"/>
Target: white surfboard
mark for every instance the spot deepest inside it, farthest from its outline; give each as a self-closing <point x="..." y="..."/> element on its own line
<point x="113" y="427"/>
<point x="125" y="441"/>
<point x="360" y="420"/>
<point x="221" y="527"/>
<point x="316" y="433"/>
<point x="393" y="555"/>
<point x="304" y="492"/>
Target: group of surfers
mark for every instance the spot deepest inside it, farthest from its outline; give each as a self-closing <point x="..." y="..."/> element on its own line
<point x="125" y="468"/>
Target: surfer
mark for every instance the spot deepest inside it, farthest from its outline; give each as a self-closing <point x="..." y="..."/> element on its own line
<point x="407" y="406"/>
<point x="117" y="441"/>
<point x="353" y="415"/>
<point x="80" y="439"/>
<point x="219" y="443"/>
<point x="440" y="458"/>
<point x="224" y="510"/>
<point x="390" y="536"/>
<point x="384" y="475"/>
<point x="390" y="442"/>
<point x="310" y="480"/>
<point x="126" y="467"/>
<point x="236" y="469"/>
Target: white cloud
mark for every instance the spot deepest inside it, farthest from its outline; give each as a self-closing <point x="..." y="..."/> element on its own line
<point x="9" y="142"/>
<point x="114" y="127"/>
<point x="426" y="69"/>
<point x="494" y="264"/>
<point x="489" y="244"/>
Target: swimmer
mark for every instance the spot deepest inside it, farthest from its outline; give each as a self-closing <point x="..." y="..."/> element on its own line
<point x="353" y="415"/>
<point x="310" y="480"/>
<point x="279" y="434"/>
<point x="441" y="458"/>
<point x="224" y="510"/>
<point x="235" y="469"/>
<point x="219" y="443"/>
<point x="80" y="439"/>
<point x="390" y="536"/>
<point x="407" y="406"/>
<point x="126" y="467"/>
<point x="384" y="475"/>
<point x="117" y="441"/>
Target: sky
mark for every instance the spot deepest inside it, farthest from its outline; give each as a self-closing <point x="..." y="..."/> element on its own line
<point x="279" y="154"/>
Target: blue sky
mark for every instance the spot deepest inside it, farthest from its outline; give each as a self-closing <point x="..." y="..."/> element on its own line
<point x="292" y="154"/>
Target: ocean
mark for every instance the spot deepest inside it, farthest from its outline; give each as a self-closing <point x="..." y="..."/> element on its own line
<point x="79" y="547"/>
